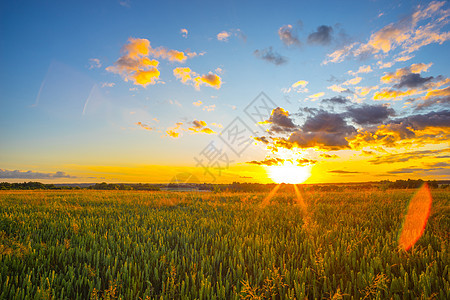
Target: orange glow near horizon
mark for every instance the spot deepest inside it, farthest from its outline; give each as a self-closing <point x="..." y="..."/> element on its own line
<point x="416" y="218"/>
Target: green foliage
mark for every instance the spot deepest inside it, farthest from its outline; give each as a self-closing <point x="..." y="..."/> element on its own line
<point x="170" y="245"/>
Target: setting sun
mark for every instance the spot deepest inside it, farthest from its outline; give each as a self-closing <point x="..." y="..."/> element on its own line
<point x="289" y="172"/>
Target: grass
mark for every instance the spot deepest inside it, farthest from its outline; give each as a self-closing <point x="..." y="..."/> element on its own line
<point x="153" y="245"/>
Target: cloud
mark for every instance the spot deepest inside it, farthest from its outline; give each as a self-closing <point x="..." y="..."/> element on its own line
<point x="288" y="36"/>
<point x="125" y="3"/>
<point x="223" y="36"/>
<point x="298" y="86"/>
<point x="387" y="94"/>
<point x="420" y="129"/>
<point x="184" y="32"/>
<point x="399" y="73"/>
<point x="329" y="156"/>
<point x="445" y="92"/>
<point x="94" y="63"/>
<point x="322" y="129"/>
<point x="339" y="55"/>
<point x="406" y="156"/>
<point x="362" y="69"/>
<point x="209" y="107"/>
<point x="280" y="121"/>
<point x="323" y="36"/>
<point x="187" y="76"/>
<point x="262" y="139"/>
<point x="268" y="162"/>
<point x="369" y="114"/>
<point x="364" y="90"/>
<point x="200" y="127"/>
<point x="172" y="132"/>
<point x="338" y="89"/>
<point x="436" y="169"/>
<point x="275" y="161"/>
<point x="136" y="66"/>
<point x="198" y="103"/>
<point x="336" y="100"/>
<point x="343" y="172"/>
<point x="421" y="28"/>
<point x="144" y="126"/>
<point x="269" y="55"/>
<point x="315" y="96"/>
<point x="353" y="81"/>
<point x="108" y="84"/>
<point x="171" y="55"/>
<point x="32" y="174"/>
<point x="413" y="80"/>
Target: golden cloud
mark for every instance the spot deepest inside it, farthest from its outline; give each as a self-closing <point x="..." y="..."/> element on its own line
<point x="187" y="76"/>
<point x="200" y="127"/>
<point x="437" y="93"/>
<point x="144" y="126"/>
<point x="136" y="66"/>
<point x="406" y="34"/>
<point x="399" y="73"/>
<point x="387" y="94"/>
<point x="314" y="97"/>
<point x="172" y="132"/>
<point x="418" y="130"/>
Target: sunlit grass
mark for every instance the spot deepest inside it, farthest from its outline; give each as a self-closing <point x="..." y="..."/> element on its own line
<point x="130" y="245"/>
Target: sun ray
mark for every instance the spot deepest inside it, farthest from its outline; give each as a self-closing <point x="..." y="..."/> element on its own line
<point x="300" y="200"/>
<point x="271" y="194"/>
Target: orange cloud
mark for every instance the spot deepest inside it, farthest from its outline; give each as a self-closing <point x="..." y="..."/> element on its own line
<point x="414" y="68"/>
<point x="437" y="93"/>
<point x="409" y="34"/>
<point x="314" y="97"/>
<point x="144" y="126"/>
<point x="187" y="76"/>
<point x="387" y="94"/>
<point x="172" y="132"/>
<point x="200" y="127"/>
<point x="363" y="91"/>
<point x="136" y="66"/>
<point x="418" y="130"/>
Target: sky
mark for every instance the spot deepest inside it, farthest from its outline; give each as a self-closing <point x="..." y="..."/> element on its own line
<point x="249" y="91"/>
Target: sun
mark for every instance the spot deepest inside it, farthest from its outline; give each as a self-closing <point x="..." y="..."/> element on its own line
<point x="289" y="172"/>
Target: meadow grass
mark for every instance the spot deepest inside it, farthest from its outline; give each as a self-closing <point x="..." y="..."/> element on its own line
<point x="172" y="245"/>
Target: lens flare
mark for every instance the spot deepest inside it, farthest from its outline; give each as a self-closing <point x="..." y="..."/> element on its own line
<point x="416" y="218"/>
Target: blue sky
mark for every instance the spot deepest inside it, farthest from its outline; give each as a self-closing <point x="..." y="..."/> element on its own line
<point x="67" y="107"/>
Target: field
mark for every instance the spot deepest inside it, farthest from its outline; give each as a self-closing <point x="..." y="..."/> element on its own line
<point x="173" y="245"/>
